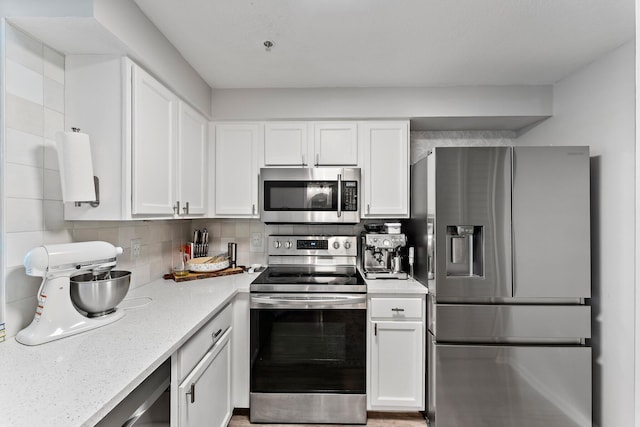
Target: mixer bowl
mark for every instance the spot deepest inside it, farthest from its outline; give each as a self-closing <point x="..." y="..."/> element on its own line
<point x="99" y="295"/>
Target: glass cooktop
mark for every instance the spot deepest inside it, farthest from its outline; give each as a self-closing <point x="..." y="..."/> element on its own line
<point x="309" y="279"/>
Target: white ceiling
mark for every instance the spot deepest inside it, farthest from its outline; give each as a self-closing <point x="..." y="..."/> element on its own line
<point x="390" y="43"/>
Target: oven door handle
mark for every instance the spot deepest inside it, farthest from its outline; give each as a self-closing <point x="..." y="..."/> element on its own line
<point x="327" y="301"/>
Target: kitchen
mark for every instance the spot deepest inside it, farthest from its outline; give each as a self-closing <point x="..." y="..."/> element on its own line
<point x="605" y="126"/>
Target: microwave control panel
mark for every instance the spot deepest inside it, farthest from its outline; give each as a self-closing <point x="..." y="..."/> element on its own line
<point x="350" y="196"/>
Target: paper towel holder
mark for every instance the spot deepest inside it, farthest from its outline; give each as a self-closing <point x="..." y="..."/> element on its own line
<point x="93" y="203"/>
<point x="74" y="149"/>
<point x="96" y="183"/>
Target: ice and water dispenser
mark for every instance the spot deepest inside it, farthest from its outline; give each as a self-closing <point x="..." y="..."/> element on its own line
<point x="465" y="250"/>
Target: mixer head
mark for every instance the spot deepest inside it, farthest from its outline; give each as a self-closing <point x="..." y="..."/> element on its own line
<point x="71" y="258"/>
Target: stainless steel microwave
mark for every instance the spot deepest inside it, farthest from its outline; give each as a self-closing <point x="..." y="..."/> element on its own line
<point x="310" y="195"/>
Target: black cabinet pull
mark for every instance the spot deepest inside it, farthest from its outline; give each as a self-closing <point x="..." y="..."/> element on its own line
<point x="192" y="392"/>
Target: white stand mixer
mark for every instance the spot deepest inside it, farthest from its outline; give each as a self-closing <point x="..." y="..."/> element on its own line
<point x="56" y="315"/>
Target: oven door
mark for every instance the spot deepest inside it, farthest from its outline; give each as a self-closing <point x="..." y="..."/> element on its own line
<point x="316" y="195"/>
<point x="308" y="358"/>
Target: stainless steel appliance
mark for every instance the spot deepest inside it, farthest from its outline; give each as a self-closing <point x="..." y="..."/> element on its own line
<point x="502" y="240"/>
<point x="310" y="195"/>
<point x="382" y="255"/>
<point x="308" y="333"/>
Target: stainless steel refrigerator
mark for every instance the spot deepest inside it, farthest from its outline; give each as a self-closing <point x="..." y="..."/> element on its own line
<point x="502" y="238"/>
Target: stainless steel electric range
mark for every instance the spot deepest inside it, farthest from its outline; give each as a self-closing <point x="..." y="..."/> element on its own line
<point x="308" y="333"/>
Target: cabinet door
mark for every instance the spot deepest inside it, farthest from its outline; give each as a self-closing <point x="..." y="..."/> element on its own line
<point x="336" y="144"/>
<point x="191" y="154"/>
<point x="396" y="366"/>
<point x="285" y="144"/>
<point x="153" y="141"/>
<point x="385" y="169"/>
<point x="204" y="397"/>
<point x="236" y="174"/>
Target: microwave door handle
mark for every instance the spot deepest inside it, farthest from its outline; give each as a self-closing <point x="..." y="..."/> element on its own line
<point x="339" y="195"/>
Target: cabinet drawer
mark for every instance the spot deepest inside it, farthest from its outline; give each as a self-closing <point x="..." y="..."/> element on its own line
<point x="192" y="351"/>
<point x="396" y="308"/>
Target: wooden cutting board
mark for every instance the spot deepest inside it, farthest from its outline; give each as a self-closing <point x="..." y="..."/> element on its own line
<point x="196" y="276"/>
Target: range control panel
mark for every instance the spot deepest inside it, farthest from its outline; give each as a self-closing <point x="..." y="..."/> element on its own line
<point x="313" y="245"/>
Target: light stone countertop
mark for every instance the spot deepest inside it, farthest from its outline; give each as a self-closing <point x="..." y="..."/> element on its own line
<point x="395" y="286"/>
<point x="77" y="380"/>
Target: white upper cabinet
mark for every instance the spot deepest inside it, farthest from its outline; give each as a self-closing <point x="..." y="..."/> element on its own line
<point x="154" y="137"/>
<point x="385" y="169"/>
<point x="148" y="146"/>
<point x="335" y="143"/>
<point x="310" y="144"/>
<point x="192" y="160"/>
<point x="236" y="160"/>
<point x="285" y="144"/>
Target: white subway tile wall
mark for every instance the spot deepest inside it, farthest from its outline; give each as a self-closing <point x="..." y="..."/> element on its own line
<point x="34" y="82"/>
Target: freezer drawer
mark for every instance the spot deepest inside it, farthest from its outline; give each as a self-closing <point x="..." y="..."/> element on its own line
<point x="506" y="386"/>
<point x="510" y="323"/>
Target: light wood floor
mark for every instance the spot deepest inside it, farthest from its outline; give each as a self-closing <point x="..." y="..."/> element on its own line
<point x="375" y="419"/>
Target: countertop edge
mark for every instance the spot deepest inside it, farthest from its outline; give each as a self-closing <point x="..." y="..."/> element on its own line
<point x="198" y="302"/>
<point x="115" y="401"/>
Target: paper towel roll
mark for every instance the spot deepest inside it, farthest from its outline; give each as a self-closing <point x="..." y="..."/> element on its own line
<point x="76" y="167"/>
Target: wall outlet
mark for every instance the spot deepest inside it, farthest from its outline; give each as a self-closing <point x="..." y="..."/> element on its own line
<point x="135" y="248"/>
<point x="256" y="242"/>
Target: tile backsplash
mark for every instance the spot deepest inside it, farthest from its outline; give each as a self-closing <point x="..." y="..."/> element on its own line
<point x="223" y="231"/>
<point x="34" y="101"/>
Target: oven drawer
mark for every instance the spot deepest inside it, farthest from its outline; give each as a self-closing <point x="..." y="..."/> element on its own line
<point x="192" y="351"/>
<point x="396" y="308"/>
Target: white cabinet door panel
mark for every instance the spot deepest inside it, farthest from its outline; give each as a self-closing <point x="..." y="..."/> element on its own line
<point x="336" y="144"/>
<point x="153" y="141"/>
<point x="285" y="144"/>
<point x="397" y="374"/>
<point x="204" y="397"/>
<point x="386" y="169"/>
<point x="236" y="174"/>
<point x="191" y="153"/>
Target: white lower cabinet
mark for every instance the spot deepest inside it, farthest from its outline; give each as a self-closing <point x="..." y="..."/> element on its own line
<point x="205" y="395"/>
<point x="396" y="365"/>
<point x="201" y="376"/>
